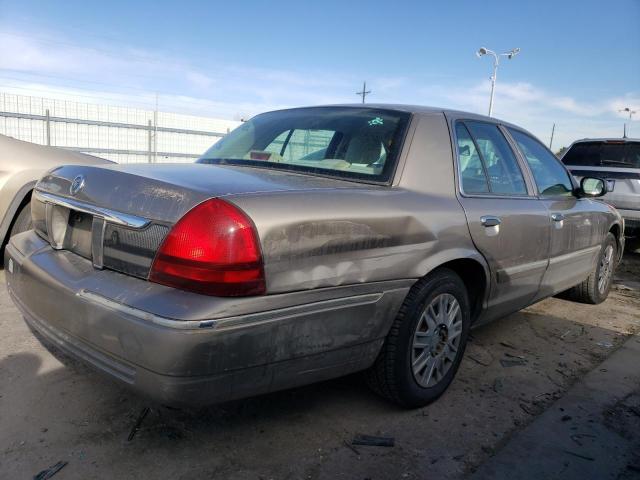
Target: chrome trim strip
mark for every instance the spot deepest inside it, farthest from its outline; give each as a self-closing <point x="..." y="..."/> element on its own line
<point x="241" y="321"/>
<point x="111" y="216"/>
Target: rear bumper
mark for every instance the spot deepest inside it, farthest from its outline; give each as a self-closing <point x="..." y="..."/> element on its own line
<point x="186" y="349"/>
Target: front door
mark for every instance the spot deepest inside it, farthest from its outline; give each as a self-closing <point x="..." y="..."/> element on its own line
<point x="575" y="237"/>
<point x="508" y="224"/>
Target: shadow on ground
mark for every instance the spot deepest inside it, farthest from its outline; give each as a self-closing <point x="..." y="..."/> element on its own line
<point x="53" y="410"/>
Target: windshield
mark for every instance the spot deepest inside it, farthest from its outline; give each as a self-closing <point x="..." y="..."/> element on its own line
<point x="597" y="154"/>
<point x="349" y="142"/>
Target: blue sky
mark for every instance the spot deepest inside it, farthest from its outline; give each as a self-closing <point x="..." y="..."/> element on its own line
<point x="579" y="64"/>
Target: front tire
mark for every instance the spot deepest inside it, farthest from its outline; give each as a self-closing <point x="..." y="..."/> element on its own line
<point x="425" y="345"/>
<point x="595" y="289"/>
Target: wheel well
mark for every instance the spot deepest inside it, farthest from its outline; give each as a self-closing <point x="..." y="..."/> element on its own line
<point x="5" y="240"/>
<point x="474" y="277"/>
<point x="615" y="229"/>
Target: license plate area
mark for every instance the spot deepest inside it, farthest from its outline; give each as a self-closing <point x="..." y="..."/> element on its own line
<point x="70" y="230"/>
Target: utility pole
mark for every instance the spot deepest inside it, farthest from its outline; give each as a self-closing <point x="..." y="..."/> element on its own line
<point x="553" y="130"/>
<point x="364" y="91"/>
<point x="48" y="126"/>
<point x="155" y="132"/>
<point x="150" y="132"/>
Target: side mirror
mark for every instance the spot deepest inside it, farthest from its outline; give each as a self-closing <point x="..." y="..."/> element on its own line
<point x="592" y="187"/>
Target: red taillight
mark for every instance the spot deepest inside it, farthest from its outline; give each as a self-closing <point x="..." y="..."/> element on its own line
<point x="213" y="249"/>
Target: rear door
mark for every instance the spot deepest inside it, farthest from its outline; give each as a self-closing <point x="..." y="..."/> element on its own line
<point x="576" y="233"/>
<point x="508" y="224"/>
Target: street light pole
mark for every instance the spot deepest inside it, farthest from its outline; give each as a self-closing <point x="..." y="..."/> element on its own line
<point x="496" y="61"/>
<point x="631" y="114"/>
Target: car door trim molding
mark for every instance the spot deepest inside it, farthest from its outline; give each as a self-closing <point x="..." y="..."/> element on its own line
<point x="519" y="271"/>
<point x="567" y="257"/>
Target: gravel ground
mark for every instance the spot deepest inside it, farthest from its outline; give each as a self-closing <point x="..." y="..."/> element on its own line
<point x="514" y="370"/>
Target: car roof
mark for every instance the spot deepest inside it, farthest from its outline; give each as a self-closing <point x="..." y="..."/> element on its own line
<point x="416" y="109"/>
<point x="609" y="139"/>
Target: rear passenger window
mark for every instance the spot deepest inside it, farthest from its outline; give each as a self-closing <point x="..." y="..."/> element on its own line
<point x="550" y="176"/>
<point x="490" y="158"/>
<point x="474" y="178"/>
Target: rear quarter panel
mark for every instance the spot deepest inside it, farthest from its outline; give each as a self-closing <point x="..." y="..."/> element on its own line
<point x="344" y="236"/>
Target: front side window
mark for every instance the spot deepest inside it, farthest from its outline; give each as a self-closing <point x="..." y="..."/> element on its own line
<point x="349" y="142"/>
<point x="484" y="153"/>
<point x="550" y="176"/>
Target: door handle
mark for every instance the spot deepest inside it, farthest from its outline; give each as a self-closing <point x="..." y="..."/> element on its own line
<point x="489" y="221"/>
<point x="557" y="217"/>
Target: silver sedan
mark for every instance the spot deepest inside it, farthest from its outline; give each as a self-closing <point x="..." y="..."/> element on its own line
<point x="307" y="244"/>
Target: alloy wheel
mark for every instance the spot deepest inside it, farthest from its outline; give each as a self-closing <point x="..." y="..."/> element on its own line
<point x="606" y="269"/>
<point x="436" y="340"/>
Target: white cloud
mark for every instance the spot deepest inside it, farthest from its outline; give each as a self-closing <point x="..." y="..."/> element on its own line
<point x="200" y="80"/>
<point x="47" y="65"/>
<point x="537" y="109"/>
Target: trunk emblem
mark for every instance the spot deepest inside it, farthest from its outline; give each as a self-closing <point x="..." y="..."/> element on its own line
<point x="76" y="185"/>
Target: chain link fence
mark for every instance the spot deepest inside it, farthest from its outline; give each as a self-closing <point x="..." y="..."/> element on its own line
<point x="121" y="134"/>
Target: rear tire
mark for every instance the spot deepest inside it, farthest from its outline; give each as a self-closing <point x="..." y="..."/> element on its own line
<point x="431" y="328"/>
<point x="22" y="222"/>
<point x="595" y="289"/>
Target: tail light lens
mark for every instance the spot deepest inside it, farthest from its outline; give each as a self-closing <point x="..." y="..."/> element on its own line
<point x="214" y="250"/>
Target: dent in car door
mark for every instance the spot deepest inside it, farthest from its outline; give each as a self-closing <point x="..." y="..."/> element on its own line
<point x="508" y="225"/>
<point x="575" y="238"/>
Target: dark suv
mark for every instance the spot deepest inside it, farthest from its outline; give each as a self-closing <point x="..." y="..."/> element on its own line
<point x="617" y="161"/>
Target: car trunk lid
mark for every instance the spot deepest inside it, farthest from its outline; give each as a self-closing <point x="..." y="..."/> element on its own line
<point x="118" y="216"/>
<point x="166" y="192"/>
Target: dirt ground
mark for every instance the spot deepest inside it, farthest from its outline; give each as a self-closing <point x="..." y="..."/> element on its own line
<point x="513" y="371"/>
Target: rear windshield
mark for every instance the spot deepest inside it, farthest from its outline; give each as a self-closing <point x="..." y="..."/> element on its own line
<point x="348" y="142"/>
<point x="599" y="154"/>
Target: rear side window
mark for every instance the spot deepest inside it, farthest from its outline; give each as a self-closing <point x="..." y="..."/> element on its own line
<point x="602" y="154"/>
<point x="474" y="178"/>
<point x="550" y="176"/>
<point x="485" y="155"/>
